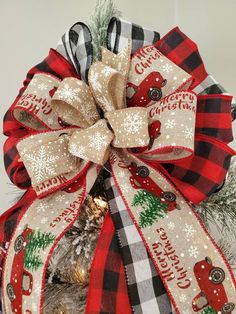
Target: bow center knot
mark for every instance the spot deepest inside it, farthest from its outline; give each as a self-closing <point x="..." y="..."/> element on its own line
<point x="75" y="102"/>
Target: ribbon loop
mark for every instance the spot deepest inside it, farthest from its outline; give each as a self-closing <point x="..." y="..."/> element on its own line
<point x="92" y="143"/>
<point x="46" y="156"/>
<point x="107" y="85"/>
<point x="130" y="126"/>
<point x="74" y="103"/>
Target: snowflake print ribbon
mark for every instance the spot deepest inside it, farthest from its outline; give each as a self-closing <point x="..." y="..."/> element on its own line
<point x="93" y="138"/>
<point x="157" y="125"/>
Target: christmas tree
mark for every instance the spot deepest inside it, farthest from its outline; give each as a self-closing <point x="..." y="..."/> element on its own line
<point x="209" y="310"/>
<point x="36" y="241"/>
<point x="31" y="261"/>
<point x="39" y="240"/>
<point x="153" y="208"/>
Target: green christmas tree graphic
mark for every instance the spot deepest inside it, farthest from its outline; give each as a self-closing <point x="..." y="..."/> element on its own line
<point x="32" y="262"/>
<point x="36" y="241"/>
<point x="39" y="240"/>
<point x="209" y="310"/>
<point x="153" y="207"/>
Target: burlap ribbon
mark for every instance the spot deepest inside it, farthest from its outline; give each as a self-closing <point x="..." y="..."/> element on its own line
<point x="75" y="103"/>
<point x="131" y="138"/>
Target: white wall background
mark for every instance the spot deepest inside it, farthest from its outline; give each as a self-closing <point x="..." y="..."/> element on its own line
<point x="28" y="28"/>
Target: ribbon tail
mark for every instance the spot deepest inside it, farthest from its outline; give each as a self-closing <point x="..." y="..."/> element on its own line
<point x="107" y="275"/>
<point x="130" y="243"/>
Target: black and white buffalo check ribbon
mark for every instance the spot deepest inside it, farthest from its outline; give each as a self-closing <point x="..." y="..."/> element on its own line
<point x="119" y="32"/>
<point x="145" y="287"/>
<point x="76" y="44"/>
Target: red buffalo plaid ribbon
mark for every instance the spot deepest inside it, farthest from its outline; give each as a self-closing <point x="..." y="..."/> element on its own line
<point x="196" y="178"/>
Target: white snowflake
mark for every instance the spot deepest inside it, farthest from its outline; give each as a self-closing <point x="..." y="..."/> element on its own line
<point x="41" y="164"/>
<point x="34" y="307"/>
<point x="105" y="103"/>
<point x="37" y="288"/>
<point x="182" y="298"/>
<point x="119" y="66"/>
<point x="97" y="141"/>
<point x="88" y="111"/>
<point x="42" y="86"/>
<point x="121" y="174"/>
<point x="107" y="70"/>
<point x="133" y="123"/>
<point x="60" y="197"/>
<point x="69" y="113"/>
<point x="171" y="225"/>
<point x="68" y="93"/>
<point x="170" y="124"/>
<point x="193" y="251"/>
<point x="44" y="220"/>
<point x="125" y="187"/>
<point x="189" y="231"/>
<point x="167" y="68"/>
<point x="94" y="81"/>
<point x="42" y="207"/>
<point x="188" y="132"/>
<point x="78" y="151"/>
<point x="141" y="142"/>
<point x="50" y="121"/>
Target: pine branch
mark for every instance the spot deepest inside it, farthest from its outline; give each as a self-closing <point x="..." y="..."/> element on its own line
<point x="228" y="245"/>
<point x="104" y="11"/>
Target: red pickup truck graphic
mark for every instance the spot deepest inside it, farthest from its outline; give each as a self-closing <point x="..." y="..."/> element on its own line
<point x="21" y="281"/>
<point x="210" y="280"/>
<point x="154" y="130"/>
<point x="140" y="180"/>
<point x="149" y="89"/>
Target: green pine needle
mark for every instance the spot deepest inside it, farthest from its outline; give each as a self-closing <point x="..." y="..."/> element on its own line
<point x="104" y="11"/>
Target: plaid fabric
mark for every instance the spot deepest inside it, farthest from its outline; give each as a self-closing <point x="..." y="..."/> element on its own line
<point x="211" y="86"/>
<point x="120" y="31"/>
<point x="213" y="117"/>
<point x="184" y="52"/>
<point x="107" y="287"/>
<point x="76" y="46"/>
<point x="193" y="177"/>
<point x="54" y="64"/>
<point x="199" y="177"/>
<point x="146" y="290"/>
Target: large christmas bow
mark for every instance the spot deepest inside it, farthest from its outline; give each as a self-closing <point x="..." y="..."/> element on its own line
<point x="144" y="193"/>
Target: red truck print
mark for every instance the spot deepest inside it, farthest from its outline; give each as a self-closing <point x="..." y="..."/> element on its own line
<point x="140" y="180"/>
<point x="148" y="90"/>
<point x="210" y="281"/>
<point x="21" y="281"/>
<point x="154" y="130"/>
